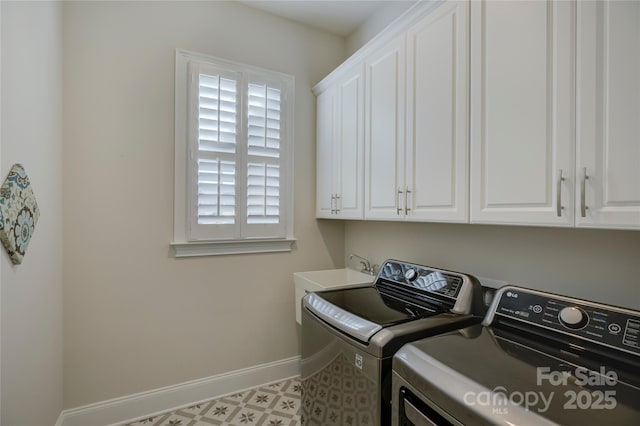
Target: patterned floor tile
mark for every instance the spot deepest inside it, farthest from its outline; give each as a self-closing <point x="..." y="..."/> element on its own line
<point x="220" y="412"/>
<point x="276" y="420"/>
<point x="273" y="405"/>
<point x="247" y="416"/>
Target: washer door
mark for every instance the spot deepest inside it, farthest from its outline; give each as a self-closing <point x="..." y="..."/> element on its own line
<point x="415" y="412"/>
<point x="341" y="383"/>
<point x="411" y="408"/>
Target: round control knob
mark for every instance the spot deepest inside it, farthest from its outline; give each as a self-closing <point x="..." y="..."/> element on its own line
<point x="573" y="317"/>
<point x="410" y="274"/>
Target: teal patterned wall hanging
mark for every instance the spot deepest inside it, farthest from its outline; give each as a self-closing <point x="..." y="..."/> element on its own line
<point x="18" y="213"/>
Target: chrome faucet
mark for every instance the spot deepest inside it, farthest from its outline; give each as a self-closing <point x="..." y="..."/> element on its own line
<point x="366" y="265"/>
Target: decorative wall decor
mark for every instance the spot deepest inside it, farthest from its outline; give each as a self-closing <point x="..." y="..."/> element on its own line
<point x="19" y="213"/>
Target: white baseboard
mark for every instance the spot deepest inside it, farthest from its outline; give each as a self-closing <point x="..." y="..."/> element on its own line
<point x="145" y="404"/>
<point x="60" y="419"/>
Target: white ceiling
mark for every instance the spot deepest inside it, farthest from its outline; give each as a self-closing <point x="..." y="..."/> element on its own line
<point x="339" y="17"/>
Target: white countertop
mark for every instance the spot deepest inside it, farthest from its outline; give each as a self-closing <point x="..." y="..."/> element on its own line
<point x="324" y="280"/>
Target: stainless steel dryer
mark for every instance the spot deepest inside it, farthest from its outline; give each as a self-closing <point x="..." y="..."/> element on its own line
<point x="349" y="337"/>
<point x="537" y="359"/>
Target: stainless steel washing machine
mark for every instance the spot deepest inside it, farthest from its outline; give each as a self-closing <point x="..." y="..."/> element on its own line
<point x="349" y="337"/>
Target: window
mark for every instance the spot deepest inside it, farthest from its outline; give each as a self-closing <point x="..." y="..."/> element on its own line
<point x="233" y="159"/>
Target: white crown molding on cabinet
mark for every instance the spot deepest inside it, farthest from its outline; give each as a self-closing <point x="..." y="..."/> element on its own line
<point x="119" y="411"/>
<point x="394" y="29"/>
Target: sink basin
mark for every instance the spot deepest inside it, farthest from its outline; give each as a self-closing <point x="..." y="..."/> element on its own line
<point x="325" y="280"/>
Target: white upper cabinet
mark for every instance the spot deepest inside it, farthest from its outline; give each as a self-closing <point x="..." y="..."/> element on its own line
<point x="506" y="112"/>
<point x="608" y="114"/>
<point x="521" y="112"/>
<point x="437" y="137"/>
<point x="340" y="148"/>
<point x="350" y="151"/>
<point x="417" y="121"/>
<point x="326" y="131"/>
<point x="384" y="130"/>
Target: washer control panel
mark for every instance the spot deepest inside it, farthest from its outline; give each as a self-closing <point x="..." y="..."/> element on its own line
<point x="607" y="325"/>
<point x="423" y="278"/>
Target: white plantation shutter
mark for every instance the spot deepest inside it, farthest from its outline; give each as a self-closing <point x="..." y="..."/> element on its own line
<point x="216" y="191"/>
<point x="263" y="140"/>
<point x="217" y="123"/>
<point x="264" y="121"/>
<point x="263" y="193"/>
<point x="217" y="113"/>
<point x="239" y="186"/>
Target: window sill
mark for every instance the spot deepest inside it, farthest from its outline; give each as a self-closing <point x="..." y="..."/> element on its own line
<point x="219" y="248"/>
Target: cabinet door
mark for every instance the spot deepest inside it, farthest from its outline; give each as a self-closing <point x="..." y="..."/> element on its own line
<point x="608" y="116"/>
<point x="522" y="100"/>
<point x="349" y="161"/>
<point x="325" y="137"/>
<point x="437" y="125"/>
<point x="384" y="131"/>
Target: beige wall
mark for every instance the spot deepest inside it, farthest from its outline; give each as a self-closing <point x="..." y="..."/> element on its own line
<point x="32" y="135"/>
<point x="599" y="265"/>
<point x="135" y="318"/>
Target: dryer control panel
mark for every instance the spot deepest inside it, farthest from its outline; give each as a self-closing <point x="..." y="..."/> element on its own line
<point x="610" y="326"/>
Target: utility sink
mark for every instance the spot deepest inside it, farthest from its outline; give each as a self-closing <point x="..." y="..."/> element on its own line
<point x="325" y="280"/>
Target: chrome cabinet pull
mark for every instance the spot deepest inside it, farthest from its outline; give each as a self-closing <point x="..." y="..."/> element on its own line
<point x="337" y="206"/>
<point x="333" y="199"/>
<point x="406" y="201"/>
<point x="583" y="195"/>
<point x="398" y="208"/>
<point x="559" y="207"/>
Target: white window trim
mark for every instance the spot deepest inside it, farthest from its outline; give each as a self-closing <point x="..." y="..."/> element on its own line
<point x="181" y="245"/>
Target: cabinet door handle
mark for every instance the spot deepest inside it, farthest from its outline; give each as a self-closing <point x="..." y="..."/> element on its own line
<point x="559" y="207"/>
<point x="333" y="199"/>
<point x="337" y="206"/>
<point x="406" y="201"/>
<point x="583" y="195"/>
<point x="398" y="208"/>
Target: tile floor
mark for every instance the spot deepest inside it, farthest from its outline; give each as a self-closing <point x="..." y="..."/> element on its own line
<point x="273" y="405"/>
